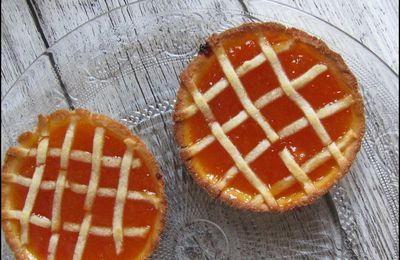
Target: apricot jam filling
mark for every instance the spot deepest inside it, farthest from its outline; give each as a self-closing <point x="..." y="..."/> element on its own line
<point x="323" y="90"/>
<point x="136" y="213"/>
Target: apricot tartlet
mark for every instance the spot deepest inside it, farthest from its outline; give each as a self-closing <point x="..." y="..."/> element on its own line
<point x="81" y="185"/>
<point x="268" y="117"/>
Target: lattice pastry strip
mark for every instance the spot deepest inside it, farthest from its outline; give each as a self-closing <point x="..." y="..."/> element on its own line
<point x="53" y="243"/>
<point x="285" y="155"/>
<point x="322" y="113"/>
<point x="291" y="129"/>
<point x="44" y="222"/>
<point x="240" y="91"/>
<point x="81" y="188"/>
<point x="219" y="134"/>
<point x="337" y="81"/>
<point x="311" y="116"/>
<point x="308" y="111"/>
<point x="66" y="155"/>
<point x="60" y="186"/>
<point x="313" y="163"/>
<point x="261" y="102"/>
<point x="223" y="83"/>
<point x="121" y="195"/>
<point x="249" y="158"/>
<point x="296" y="171"/>
<point x="98" y="142"/>
<point x="36" y="180"/>
<point x="82" y="237"/>
<point x="75" y="155"/>
<point x="286" y="87"/>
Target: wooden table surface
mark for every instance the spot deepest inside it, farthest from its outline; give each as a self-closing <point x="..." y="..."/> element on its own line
<point x="31" y="26"/>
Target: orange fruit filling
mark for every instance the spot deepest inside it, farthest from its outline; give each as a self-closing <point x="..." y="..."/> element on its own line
<point x="303" y="145"/>
<point x="136" y="213"/>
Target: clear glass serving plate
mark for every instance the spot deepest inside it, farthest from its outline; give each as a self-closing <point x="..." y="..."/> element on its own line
<point x="126" y="63"/>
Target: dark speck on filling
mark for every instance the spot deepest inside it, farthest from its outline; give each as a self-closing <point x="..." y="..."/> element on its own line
<point x="205" y="49"/>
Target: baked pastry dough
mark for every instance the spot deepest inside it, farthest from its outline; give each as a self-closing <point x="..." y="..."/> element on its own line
<point x="81" y="186"/>
<point x="268" y="117"/>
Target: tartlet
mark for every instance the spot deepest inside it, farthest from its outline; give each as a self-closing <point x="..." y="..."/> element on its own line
<point x="81" y="185"/>
<point x="268" y="118"/>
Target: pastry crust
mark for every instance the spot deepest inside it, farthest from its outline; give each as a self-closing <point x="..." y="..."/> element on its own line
<point x="122" y="132"/>
<point x="337" y="67"/>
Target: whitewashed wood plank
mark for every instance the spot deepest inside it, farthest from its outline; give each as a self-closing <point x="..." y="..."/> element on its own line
<point x="132" y="53"/>
<point x="374" y="23"/>
<point x="60" y="17"/>
<point x="36" y="93"/>
<point x="21" y="42"/>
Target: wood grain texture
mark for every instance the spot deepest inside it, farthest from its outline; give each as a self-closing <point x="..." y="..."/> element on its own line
<point x="373" y="22"/>
<point x="20" y="41"/>
<point x="57" y="18"/>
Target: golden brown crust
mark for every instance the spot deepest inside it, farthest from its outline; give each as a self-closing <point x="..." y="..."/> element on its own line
<point x="122" y="132"/>
<point x="339" y="69"/>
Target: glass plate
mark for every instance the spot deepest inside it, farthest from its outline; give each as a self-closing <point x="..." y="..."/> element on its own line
<point x="126" y="63"/>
